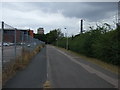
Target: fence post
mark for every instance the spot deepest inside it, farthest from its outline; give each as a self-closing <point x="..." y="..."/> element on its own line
<point x="2" y="32"/>
<point x="22" y="38"/>
<point x="15" y="41"/>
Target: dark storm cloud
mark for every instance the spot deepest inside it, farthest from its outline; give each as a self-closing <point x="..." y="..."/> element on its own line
<point x="91" y="10"/>
<point x="87" y="10"/>
<point x="57" y="14"/>
<point x="94" y="11"/>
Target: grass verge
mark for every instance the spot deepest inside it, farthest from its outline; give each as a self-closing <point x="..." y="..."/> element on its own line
<point x="107" y="66"/>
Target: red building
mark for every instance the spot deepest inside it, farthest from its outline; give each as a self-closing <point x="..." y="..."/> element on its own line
<point x="9" y="36"/>
<point x="31" y="33"/>
<point x="21" y="35"/>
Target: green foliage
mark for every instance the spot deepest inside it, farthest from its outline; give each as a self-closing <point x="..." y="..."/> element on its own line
<point x="51" y="37"/>
<point x="41" y="37"/>
<point x="102" y="43"/>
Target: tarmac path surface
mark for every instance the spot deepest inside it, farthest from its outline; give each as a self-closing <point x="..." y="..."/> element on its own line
<point x="63" y="70"/>
<point x="67" y="71"/>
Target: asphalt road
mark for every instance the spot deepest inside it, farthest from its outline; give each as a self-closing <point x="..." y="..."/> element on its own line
<point x="63" y="71"/>
<point x="66" y="71"/>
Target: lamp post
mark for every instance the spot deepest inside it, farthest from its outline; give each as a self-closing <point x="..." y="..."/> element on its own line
<point x="57" y="42"/>
<point x="66" y="39"/>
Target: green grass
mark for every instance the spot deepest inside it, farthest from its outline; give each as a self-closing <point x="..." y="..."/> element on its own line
<point x="110" y="67"/>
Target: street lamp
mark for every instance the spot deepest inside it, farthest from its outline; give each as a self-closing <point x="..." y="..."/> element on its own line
<point x="57" y="42"/>
<point x="67" y="39"/>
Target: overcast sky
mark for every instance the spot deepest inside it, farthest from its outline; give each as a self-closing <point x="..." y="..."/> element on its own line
<point x="62" y="15"/>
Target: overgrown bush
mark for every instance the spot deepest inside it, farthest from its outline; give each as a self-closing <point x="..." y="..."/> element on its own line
<point x="101" y="43"/>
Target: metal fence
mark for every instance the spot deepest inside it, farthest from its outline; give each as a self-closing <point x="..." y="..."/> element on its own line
<point x="14" y="41"/>
<point x="0" y="59"/>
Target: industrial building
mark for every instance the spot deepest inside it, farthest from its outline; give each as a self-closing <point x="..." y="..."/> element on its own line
<point x="21" y="35"/>
<point x="40" y="31"/>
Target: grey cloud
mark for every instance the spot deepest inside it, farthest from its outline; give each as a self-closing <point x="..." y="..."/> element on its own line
<point x="91" y="11"/>
<point x="88" y="10"/>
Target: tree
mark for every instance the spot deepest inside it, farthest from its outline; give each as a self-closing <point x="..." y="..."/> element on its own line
<point x="41" y="37"/>
<point x="53" y="35"/>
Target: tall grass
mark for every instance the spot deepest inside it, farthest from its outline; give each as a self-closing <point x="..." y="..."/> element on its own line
<point x="20" y="63"/>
